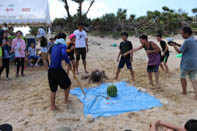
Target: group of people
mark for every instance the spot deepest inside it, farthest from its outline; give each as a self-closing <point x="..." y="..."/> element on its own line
<point x="57" y="50"/>
<point x="158" y="58"/>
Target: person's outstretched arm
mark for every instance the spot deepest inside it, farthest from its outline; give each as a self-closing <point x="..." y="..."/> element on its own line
<point x="132" y="51"/>
<point x="65" y="56"/>
<point x="177" y="49"/>
<point x="169" y="126"/>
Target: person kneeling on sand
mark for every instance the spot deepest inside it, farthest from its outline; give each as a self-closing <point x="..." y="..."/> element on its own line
<point x="189" y="59"/>
<point x="96" y="76"/>
<point x="190" y="125"/>
<point x="56" y="74"/>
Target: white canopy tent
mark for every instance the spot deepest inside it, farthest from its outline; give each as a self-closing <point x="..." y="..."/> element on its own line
<point x="24" y="12"/>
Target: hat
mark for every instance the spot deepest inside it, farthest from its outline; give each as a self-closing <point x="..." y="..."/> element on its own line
<point x="41" y="33"/>
<point x="71" y="36"/>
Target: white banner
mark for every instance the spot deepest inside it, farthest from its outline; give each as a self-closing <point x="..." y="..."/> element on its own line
<point x="24" y="12"/>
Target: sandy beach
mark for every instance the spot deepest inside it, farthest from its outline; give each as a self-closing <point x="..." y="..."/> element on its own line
<point x="24" y="101"/>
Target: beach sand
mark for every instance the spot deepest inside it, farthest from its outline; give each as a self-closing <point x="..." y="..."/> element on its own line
<point x="24" y="101"/>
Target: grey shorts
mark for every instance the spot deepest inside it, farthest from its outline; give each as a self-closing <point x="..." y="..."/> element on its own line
<point x="191" y="74"/>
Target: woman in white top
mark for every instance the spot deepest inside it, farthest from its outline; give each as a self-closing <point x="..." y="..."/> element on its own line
<point x="43" y="45"/>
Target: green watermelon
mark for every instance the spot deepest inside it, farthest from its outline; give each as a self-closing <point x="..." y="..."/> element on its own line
<point x="112" y="90"/>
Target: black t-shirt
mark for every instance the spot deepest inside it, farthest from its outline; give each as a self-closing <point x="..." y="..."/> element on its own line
<point x="163" y="46"/>
<point x="126" y="46"/>
<point x="1" y="36"/>
<point x="43" y="42"/>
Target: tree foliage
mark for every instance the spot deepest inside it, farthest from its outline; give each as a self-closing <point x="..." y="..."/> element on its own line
<point x="167" y="21"/>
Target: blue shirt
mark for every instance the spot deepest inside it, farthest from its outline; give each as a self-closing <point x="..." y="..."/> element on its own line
<point x="6" y="51"/>
<point x="58" y="53"/>
<point x="189" y="54"/>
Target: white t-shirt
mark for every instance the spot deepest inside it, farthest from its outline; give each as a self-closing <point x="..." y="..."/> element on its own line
<point x="80" y="38"/>
<point x="32" y="51"/>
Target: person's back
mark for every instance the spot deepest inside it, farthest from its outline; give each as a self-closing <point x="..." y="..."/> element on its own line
<point x="189" y="57"/>
<point x="56" y="55"/>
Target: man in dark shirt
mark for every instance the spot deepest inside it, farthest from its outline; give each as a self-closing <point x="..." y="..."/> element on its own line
<point x="164" y="55"/>
<point x="56" y="74"/>
<point x="125" y="46"/>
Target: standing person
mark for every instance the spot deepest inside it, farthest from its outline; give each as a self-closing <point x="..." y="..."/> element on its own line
<point x="1" y="53"/>
<point x="6" y="55"/>
<point x="81" y="46"/>
<point x="165" y="54"/>
<point x="18" y="47"/>
<point x="56" y="74"/>
<point x="125" y="46"/>
<point x="71" y="51"/>
<point x="153" y="53"/>
<point x="189" y="59"/>
<point x="50" y="43"/>
<point x="43" y="46"/>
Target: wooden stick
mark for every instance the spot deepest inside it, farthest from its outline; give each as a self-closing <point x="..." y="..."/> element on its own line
<point x="78" y="82"/>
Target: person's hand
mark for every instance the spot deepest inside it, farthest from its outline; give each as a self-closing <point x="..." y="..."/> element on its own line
<point x="125" y="54"/>
<point x="131" y="59"/>
<point x="162" y="54"/>
<point x="69" y="66"/>
<point x="154" y="124"/>
<point x="87" y="49"/>
<point x="72" y="47"/>
<point x="148" y="52"/>
<point x="118" y="59"/>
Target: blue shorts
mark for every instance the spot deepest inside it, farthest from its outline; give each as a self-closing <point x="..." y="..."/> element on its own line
<point x="191" y="74"/>
<point x="153" y="68"/>
<point x="33" y="57"/>
<point x="124" y="61"/>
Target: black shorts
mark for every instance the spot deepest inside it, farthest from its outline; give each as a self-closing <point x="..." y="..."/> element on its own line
<point x="81" y="52"/>
<point x="164" y="58"/>
<point x="71" y="55"/>
<point x="153" y="68"/>
<point x="58" y="77"/>
<point x="124" y="61"/>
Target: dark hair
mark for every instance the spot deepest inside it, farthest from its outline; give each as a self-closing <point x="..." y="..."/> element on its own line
<point x="187" y="30"/>
<point x="96" y="76"/>
<point x="60" y="36"/>
<point x="191" y="125"/>
<point x="124" y="34"/>
<point x="81" y="24"/>
<point x="144" y="37"/>
<point x="51" y="38"/>
<point x="5" y="24"/>
<point x="6" y="38"/>
<point x="159" y="35"/>
<point x="19" y="32"/>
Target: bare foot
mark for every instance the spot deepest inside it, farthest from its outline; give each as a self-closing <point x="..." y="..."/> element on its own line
<point x="151" y="83"/>
<point x="158" y="85"/>
<point x="67" y="101"/>
<point x="53" y="108"/>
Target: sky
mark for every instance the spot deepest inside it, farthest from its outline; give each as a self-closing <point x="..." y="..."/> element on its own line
<point x="101" y="7"/>
<point x="137" y="7"/>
